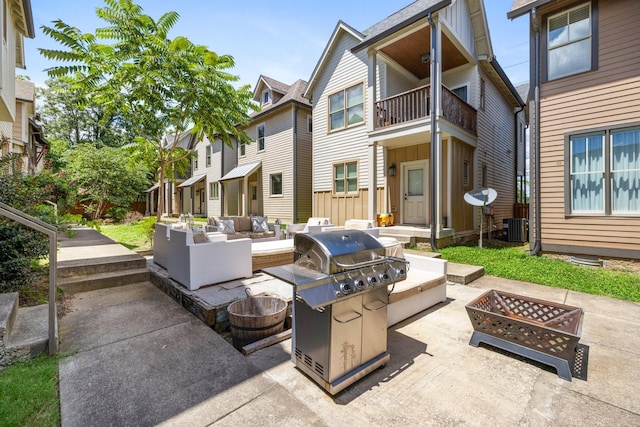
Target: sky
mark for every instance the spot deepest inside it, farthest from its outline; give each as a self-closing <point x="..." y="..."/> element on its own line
<point x="281" y="39"/>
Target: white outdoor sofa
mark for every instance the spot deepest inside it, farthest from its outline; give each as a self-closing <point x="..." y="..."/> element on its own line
<point x="198" y="264"/>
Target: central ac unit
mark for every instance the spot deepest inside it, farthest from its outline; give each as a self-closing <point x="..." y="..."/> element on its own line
<point x="514" y="229"/>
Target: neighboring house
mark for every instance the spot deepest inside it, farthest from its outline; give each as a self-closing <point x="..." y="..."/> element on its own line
<point x="273" y="174"/>
<point x="16" y="23"/>
<point x="411" y="114"/>
<point x="175" y="199"/>
<point x="28" y="135"/>
<point x="585" y="127"/>
<point x="211" y="162"/>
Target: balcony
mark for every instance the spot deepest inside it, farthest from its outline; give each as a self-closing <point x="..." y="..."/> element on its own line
<point x="415" y="105"/>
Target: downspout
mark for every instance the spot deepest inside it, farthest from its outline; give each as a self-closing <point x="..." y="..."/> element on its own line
<point x="517" y="135"/>
<point x="295" y="163"/>
<point x="434" y="108"/>
<point x="536" y="140"/>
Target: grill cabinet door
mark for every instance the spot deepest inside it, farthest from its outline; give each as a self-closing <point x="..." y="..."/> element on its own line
<point x="374" y="323"/>
<point x="346" y="337"/>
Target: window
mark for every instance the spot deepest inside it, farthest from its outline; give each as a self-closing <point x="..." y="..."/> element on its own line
<point x="265" y="97"/>
<point x="243" y="149"/>
<point x="346" y="108"/>
<point x="214" y="190"/>
<point x="569" y="42"/>
<point x="276" y="184"/>
<point x="482" y="94"/>
<point x="309" y="124"/>
<point x="260" y="137"/>
<point x="195" y="162"/>
<point x="208" y="155"/>
<point x="604" y="172"/>
<point x="345" y="178"/>
<point x="462" y="92"/>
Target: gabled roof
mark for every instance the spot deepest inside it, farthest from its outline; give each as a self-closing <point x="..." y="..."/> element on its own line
<point x="520" y="7"/>
<point x="292" y="93"/>
<point x="406" y="16"/>
<point x="272" y="84"/>
<point x="186" y="140"/>
<point x="340" y="28"/>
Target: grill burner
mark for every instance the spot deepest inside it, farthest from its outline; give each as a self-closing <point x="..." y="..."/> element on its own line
<point x="340" y="281"/>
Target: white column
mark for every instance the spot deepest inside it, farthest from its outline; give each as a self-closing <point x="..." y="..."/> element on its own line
<point x="373" y="180"/>
<point x="245" y="191"/>
<point x="371" y="92"/>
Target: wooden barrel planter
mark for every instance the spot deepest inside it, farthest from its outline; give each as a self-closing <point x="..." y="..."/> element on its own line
<point x="254" y="318"/>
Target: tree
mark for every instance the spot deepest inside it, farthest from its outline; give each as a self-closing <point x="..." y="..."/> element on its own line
<point x="159" y="85"/>
<point x="104" y="175"/>
<point x="70" y="114"/>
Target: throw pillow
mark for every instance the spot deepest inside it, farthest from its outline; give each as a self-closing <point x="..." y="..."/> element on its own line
<point x="226" y="226"/>
<point x="260" y="224"/>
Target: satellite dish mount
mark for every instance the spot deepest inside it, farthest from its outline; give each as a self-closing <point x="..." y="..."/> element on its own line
<point x="480" y="197"/>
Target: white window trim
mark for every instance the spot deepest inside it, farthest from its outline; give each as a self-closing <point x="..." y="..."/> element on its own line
<point x="281" y="185"/>
<point x="346" y="187"/>
<point x="264" y="137"/>
<point x="346" y="124"/>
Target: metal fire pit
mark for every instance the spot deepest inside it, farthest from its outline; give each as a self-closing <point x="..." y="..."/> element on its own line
<point x="540" y="330"/>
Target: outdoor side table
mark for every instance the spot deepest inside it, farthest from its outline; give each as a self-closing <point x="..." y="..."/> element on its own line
<point x="539" y="330"/>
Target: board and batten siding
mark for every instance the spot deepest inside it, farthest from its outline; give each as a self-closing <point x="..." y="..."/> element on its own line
<point x="457" y="20"/>
<point x="496" y="149"/>
<point x="607" y="96"/>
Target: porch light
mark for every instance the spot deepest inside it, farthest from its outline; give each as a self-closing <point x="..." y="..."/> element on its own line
<point x="425" y="57"/>
<point x="392" y="170"/>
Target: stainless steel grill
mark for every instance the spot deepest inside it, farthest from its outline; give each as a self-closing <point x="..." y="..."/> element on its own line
<point x="340" y="281"/>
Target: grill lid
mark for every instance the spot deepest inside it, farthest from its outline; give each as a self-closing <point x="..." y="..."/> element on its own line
<point x="333" y="251"/>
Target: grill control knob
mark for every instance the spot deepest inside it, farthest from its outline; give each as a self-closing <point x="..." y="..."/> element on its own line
<point x="400" y="272"/>
<point x="345" y="288"/>
<point x="360" y="284"/>
<point x="372" y="281"/>
<point x="384" y="276"/>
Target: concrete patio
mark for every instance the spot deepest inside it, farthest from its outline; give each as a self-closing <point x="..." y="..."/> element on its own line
<point x="136" y="357"/>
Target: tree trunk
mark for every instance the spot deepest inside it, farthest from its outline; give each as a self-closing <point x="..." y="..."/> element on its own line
<point x="160" y="206"/>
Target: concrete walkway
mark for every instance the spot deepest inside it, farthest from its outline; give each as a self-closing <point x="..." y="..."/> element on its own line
<point x="135" y="357"/>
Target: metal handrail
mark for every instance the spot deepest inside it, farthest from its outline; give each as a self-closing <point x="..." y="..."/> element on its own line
<point x="52" y="233"/>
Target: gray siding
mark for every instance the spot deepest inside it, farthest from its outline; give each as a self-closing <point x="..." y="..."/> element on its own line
<point x="497" y="149"/>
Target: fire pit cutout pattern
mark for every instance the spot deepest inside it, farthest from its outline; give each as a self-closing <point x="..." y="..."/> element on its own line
<point x="540" y="330"/>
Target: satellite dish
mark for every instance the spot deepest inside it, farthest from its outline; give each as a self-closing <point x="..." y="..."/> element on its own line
<point x="480" y="197"/>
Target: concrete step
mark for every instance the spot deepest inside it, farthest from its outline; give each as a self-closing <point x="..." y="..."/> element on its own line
<point x="109" y="279"/>
<point x="405" y="239"/>
<point x="8" y="314"/>
<point x="30" y="335"/>
<point x="81" y="267"/>
<point x="463" y="273"/>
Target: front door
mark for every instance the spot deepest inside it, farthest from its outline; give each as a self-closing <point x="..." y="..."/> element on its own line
<point x="414" y="189"/>
<point x="253" y="191"/>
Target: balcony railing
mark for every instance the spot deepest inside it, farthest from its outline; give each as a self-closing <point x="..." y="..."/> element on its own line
<point x="415" y="104"/>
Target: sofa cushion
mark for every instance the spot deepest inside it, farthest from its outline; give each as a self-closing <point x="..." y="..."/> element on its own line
<point x="259" y="224"/>
<point x="200" y="237"/>
<point x="226" y="226"/>
<point x="243" y="224"/>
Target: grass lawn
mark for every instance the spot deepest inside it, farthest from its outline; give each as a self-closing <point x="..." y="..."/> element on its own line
<point x="136" y="236"/>
<point x="29" y="393"/>
<point x="513" y="262"/>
